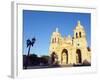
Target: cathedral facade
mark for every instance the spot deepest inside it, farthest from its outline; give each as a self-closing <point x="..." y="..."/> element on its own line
<point x="69" y="50"/>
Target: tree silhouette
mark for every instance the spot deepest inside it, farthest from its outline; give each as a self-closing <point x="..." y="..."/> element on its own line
<point x="30" y="44"/>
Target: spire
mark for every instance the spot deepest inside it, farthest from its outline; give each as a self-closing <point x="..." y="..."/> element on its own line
<point x="56" y="29"/>
<point x="79" y="23"/>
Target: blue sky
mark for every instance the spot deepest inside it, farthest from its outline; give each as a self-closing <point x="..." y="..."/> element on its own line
<point x="41" y="24"/>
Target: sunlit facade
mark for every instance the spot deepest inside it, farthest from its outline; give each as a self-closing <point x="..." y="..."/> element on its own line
<point x="70" y="50"/>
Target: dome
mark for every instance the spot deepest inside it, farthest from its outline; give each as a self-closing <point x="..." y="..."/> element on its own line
<point x="79" y="26"/>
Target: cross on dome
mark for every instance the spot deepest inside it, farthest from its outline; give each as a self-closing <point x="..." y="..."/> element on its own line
<point x="79" y="23"/>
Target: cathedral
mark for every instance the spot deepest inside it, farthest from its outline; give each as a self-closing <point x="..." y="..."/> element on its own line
<point x="70" y="50"/>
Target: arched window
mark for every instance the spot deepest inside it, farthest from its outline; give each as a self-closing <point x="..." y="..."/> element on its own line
<point x="80" y="34"/>
<point x="53" y="40"/>
<point x="76" y="35"/>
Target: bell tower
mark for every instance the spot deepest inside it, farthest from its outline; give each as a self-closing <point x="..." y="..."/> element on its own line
<point x="80" y="43"/>
<point x="55" y="38"/>
<point x="79" y="36"/>
<point x="55" y="44"/>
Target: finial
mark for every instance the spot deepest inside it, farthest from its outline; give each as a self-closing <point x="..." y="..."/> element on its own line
<point x="79" y="23"/>
<point x="56" y="29"/>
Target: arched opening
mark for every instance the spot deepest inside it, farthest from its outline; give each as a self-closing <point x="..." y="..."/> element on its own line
<point x="76" y="35"/>
<point x="80" y="34"/>
<point x="54" y="58"/>
<point x="78" y="56"/>
<point x="53" y="40"/>
<point x="64" y="57"/>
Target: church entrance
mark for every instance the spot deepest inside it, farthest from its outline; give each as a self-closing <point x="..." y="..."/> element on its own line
<point x="64" y="57"/>
<point x="54" y="58"/>
<point x="78" y="56"/>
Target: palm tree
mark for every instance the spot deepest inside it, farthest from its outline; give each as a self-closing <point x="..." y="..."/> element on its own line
<point x="29" y="44"/>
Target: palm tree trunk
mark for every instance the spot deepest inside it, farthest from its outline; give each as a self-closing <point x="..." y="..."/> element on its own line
<point x="29" y="50"/>
<point x="27" y="60"/>
<point x="28" y="55"/>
